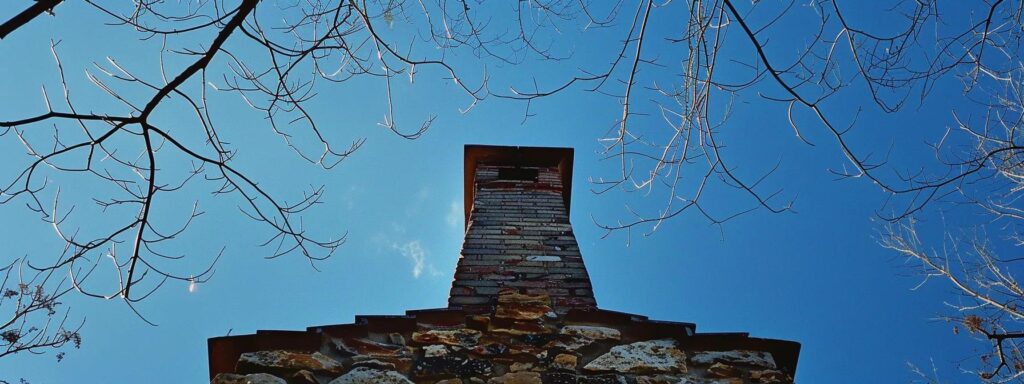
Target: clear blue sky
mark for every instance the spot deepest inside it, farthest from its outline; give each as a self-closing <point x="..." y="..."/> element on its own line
<point x="816" y="276"/>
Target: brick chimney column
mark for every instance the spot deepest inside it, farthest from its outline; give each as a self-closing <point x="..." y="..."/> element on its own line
<point x="518" y="234"/>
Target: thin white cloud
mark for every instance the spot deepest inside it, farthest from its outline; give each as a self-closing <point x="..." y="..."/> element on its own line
<point x="416" y="254"/>
<point x="454" y="215"/>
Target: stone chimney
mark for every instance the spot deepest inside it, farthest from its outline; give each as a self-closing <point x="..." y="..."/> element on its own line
<point x="521" y="310"/>
<point x="518" y="234"/>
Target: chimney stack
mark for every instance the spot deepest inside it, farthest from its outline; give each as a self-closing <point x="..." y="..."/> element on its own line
<point x="518" y="234"/>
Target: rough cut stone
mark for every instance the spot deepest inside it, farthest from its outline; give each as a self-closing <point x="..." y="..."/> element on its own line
<point x="641" y="357"/>
<point x="435" y="350"/>
<point x="660" y="379"/>
<point x="695" y="380"/>
<point x="756" y="358"/>
<point x="537" y="340"/>
<point x="479" y="321"/>
<point x="363" y="375"/>
<point x="769" y="376"/>
<point x="451" y="366"/>
<point x="517" y="367"/>
<point x="602" y="379"/>
<point x="723" y="370"/>
<point x="557" y="377"/>
<point x="511" y="296"/>
<point x="255" y="378"/>
<point x="665" y="379"/>
<point x="521" y="311"/>
<point x="462" y="337"/>
<point x="359" y="346"/>
<point x="591" y="332"/>
<point x="490" y="349"/>
<point x="286" y="360"/>
<point x="516" y="378"/>
<point x="575" y="337"/>
<point x="523" y="328"/>
<point x="396" y="338"/>
<point x="304" y="377"/>
<point x="400" y="364"/>
<point x="375" y="364"/>
<point x="525" y="354"/>
<point x="565" y="361"/>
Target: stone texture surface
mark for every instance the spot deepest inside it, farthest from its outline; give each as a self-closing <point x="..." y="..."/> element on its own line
<point x="278" y="361"/>
<point x="456" y="337"/>
<point x="641" y="357"/>
<point x="591" y="332"/>
<point x="722" y="370"/>
<point x="565" y="361"/>
<point x="304" y="377"/>
<point x="690" y="380"/>
<point x="517" y="306"/>
<point x="255" y="378"/>
<point x="769" y="376"/>
<point x="364" y="375"/>
<point x="516" y="378"/>
<point x="755" y="358"/>
<point x="360" y="346"/>
<point x="473" y="348"/>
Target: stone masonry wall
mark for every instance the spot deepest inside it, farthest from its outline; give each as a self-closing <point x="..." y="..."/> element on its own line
<point x="518" y="236"/>
<point x="522" y="341"/>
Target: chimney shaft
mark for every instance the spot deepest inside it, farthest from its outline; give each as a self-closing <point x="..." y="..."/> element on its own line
<point x="518" y="233"/>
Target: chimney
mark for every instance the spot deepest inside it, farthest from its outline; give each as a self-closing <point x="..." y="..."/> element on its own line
<point x="521" y="310"/>
<point x="518" y="235"/>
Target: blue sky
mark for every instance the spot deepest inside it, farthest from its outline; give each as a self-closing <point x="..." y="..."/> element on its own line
<point x="816" y="275"/>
